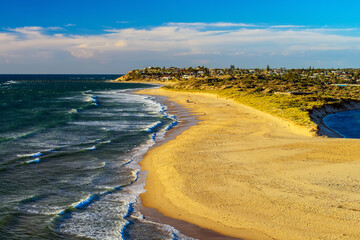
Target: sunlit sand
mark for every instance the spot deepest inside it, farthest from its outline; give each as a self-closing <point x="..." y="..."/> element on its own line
<point x="247" y="174"/>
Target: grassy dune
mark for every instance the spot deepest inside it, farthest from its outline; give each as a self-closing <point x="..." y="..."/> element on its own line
<point x="290" y="96"/>
<point x="288" y="107"/>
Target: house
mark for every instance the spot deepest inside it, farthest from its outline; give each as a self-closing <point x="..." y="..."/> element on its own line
<point x="165" y="78"/>
<point x="185" y="76"/>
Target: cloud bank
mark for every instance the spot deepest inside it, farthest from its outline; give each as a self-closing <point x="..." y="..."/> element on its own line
<point x="173" y="40"/>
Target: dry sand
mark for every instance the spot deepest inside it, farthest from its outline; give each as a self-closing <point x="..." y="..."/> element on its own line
<point x="246" y="174"/>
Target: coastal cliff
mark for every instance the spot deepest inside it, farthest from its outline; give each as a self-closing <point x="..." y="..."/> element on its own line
<point x="125" y="77"/>
<point x="317" y="115"/>
<point x="135" y="76"/>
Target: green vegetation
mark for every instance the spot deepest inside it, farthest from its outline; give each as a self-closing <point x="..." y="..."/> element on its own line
<point x="288" y="94"/>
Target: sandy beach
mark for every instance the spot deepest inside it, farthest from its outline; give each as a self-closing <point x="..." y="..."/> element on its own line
<point x="246" y="174"/>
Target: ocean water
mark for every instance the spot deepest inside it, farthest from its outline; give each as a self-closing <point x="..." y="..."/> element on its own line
<point x="346" y="123"/>
<point x="69" y="152"/>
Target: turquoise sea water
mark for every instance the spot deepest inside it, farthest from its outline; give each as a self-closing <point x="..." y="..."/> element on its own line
<point x="346" y="123"/>
<point x="69" y="146"/>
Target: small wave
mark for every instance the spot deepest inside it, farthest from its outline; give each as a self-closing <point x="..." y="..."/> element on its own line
<point x="154" y="105"/>
<point x="153" y="126"/>
<point x="87" y="216"/>
<point x="84" y="203"/>
<point x="33" y="205"/>
<point x="21" y="135"/>
<point x="34" y="161"/>
<point x="72" y="111"/>
<point x="116" y="125"/>
<point x="99" y="143"/>
<point x="80" y="215"/>
<point x="173" y="232"/>
<point x="91" y="98"/>
<point x="153" y="137"/>
<point x="87" y="201"/>
<point x="9" y="82"/>
<point x="38" y="154"/>
<point x="99" y="223"/>
<point x="171" y="125"/>
<point x="93" y="167"/>
<point x="48" y="210"/>
<point x="128" y="162"/>
<point x="94" y="98"/>
<point x="30" y="199"/>
<point x="6" y="139"/>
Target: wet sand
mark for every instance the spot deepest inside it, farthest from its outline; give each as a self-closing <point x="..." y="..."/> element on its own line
<point x="249" y="175"/>
<point x="186" y="120"/>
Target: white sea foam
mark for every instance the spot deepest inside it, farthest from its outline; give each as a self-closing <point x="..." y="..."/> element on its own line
<point x="151" y="127"/>
<point x="37" y="160"/>
<point x="106" y="214"/>
<point x="37" y="154"/>
<point x="91" y="98"/>
<point x="103" y="219"/>
<point x="73" y="111"/>
<point x="113" y="125"/>
<point x="9" y="82"/>
<point x="40" y="209"/>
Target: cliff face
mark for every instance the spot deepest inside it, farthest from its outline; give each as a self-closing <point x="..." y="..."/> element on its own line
<point x="120" y="79"/>
<point x="126" y="77"/>
<point x="318" y="114"/>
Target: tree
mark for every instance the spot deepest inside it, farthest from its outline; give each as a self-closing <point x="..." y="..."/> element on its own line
<point x="232" y="67"/>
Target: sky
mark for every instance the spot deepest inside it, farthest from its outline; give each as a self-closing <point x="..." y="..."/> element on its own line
<point x="115" y="36"/>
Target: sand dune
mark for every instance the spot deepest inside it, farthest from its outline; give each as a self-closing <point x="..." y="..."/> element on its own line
<point x="247" y="174"/>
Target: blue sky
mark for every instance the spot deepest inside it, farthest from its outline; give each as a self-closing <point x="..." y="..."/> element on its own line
<point x="109" y="36"/>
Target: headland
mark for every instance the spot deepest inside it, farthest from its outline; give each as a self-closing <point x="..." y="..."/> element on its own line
<point x="299" y="96"/>
<point x="248" y="174"/>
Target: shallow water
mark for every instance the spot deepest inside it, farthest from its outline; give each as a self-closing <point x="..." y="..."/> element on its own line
<point x="69" y="152"/>
<point x="346" y="123"/>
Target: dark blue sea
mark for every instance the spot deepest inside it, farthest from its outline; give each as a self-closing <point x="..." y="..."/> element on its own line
<point x="346" y="123"/>
<point x="69" y="152"/>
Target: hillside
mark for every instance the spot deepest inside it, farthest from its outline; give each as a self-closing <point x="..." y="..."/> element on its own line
<point x="293" y="95"/>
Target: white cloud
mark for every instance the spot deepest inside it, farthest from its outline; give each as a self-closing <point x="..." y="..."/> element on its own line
<point x="26" y="29"/>
<point x="176" y="39"/>
<point x="287" y="26"/>
<point x="332" y="29"/>
<point x="204" y="25"/>
<point x="29" y="32"/>
<point x="54" y="28"/>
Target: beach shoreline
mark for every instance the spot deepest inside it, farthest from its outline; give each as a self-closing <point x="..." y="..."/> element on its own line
<point x="186" y="120"/>
<point x="317" y="115"/>
<point x="249" y="175"/>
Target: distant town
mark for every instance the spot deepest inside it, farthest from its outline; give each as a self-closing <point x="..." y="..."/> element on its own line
<point x="326" y="76"/>
<point x="288" y="93"/>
